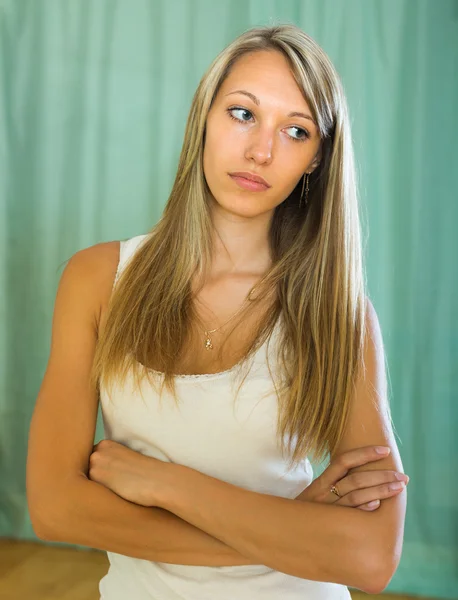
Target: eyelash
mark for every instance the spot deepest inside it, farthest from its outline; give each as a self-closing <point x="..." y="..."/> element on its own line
<point x="229" y="112"/>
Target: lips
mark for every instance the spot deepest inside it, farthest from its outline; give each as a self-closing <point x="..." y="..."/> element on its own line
<point x="249" y="184"/>
<point x="250" y="177"/>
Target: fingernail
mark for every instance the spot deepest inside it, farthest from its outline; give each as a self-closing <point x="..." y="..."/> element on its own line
<point x="382" y="449"/>
<point x="397" y="486"/>
<point x="402" y="477"/>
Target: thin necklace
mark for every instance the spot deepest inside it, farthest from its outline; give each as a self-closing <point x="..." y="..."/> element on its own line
<point x="208" y="341"/>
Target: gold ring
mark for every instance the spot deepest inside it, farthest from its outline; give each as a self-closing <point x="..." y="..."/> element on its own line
<point x="334" y="490"/>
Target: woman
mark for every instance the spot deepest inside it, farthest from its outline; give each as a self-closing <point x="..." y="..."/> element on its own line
<point x="203" y="489"/>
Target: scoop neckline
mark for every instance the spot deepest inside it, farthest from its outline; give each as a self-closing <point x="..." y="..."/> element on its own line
<point x="185" y="376"/>
<point x="218" y="374"/>
<point x="204" y="376"/>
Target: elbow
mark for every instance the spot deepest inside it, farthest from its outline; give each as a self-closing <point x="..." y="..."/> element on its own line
<point x="38" y="522"/>
<point x="378" y="584"/>
<point x="384" y="557"/>
<point x="46" y="515"/>
<point x="49" y="529"/>
<point x="40" y="532"/>
<point x="52" y="508"/>
<point x="381" y="574"/>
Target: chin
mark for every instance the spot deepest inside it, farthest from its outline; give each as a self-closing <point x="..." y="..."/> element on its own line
<point x="245" y="207"/>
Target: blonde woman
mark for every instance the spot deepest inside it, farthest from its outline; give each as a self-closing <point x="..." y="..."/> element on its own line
<point x="226" y="346"/>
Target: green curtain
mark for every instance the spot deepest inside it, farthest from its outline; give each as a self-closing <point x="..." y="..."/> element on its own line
<point x="94" y="97"/>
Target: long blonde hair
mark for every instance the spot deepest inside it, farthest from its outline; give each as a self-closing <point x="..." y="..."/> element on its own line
<point x="316" y="274"/>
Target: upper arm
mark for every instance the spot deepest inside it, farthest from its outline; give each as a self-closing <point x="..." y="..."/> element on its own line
<point x="62" y="429"/>
<point x="369" y="424"/>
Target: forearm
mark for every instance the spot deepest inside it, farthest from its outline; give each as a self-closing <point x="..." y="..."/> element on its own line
<point x="321" y="542"/>
<point x="90" y="514"/>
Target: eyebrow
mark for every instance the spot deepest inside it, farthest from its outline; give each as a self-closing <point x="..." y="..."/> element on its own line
<point x="257" y="102"/>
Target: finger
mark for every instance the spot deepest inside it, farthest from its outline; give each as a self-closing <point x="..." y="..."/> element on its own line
<point x="380" y="492"/>
<point x="369" y="506"/>
<point x="346" y="461"/>
<point x="368" y="479"/>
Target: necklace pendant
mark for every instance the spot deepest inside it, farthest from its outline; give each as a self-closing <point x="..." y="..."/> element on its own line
<point x="208" y="344"/>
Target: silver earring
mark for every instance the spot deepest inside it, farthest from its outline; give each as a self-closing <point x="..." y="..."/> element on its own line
<point x="306" y="184"/>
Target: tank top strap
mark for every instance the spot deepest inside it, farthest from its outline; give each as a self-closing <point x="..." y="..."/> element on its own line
<point x="127" y="249"/>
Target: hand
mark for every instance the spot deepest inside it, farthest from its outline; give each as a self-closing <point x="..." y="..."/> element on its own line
<point x="356" y="489"/>
<point x="129" y="474"/>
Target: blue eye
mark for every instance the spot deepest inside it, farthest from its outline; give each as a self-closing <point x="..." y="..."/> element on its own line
<point x="230" y="110"/>
<point x="245" y="110"/>
<point x="304" y="131"/>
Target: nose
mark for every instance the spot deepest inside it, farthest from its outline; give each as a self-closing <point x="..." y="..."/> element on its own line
<point x="260" y="146"/>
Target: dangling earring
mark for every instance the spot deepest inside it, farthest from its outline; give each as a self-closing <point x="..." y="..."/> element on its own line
<point x="306" y="184"/>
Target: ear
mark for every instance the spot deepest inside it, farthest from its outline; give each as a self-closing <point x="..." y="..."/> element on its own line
<point x="316" y="161"/>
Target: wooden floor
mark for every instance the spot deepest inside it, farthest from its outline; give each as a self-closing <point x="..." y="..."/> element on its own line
<point x="36" y="571"/>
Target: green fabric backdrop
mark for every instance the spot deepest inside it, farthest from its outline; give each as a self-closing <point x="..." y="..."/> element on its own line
<point x="93" y="102"/>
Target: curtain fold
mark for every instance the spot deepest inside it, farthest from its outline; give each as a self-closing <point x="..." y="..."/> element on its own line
<point x="94" y="98"/>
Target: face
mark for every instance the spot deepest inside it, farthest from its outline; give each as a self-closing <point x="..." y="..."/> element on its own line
<point x="253" y="132"/>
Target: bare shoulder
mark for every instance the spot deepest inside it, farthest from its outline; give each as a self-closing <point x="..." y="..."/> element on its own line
<point x="99" y="260"/>
<point x="97" y="265"/>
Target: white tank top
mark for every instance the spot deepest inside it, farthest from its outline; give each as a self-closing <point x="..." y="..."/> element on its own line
<point x="235" y="442"/>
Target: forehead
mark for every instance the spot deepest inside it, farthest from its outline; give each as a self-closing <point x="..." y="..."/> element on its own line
<point x="266" y="74"/>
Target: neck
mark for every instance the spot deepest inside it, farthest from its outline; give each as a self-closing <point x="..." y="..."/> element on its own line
<point x="240" y="245"/>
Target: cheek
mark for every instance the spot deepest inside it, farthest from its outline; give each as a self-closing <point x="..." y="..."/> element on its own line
<point x="223" y="141"/>
<point x="222" y="153"/>
<point x="213" y="165"/>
